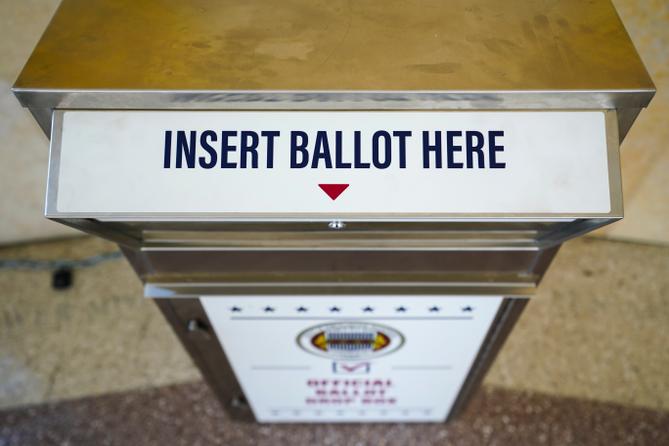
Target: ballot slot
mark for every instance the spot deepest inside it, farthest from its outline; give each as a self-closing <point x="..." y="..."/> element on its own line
<point x="304" y="236"/>
<point x="422" y="250"/>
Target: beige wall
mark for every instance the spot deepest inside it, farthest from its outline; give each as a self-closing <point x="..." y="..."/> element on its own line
<point x="24" y="150"/>
<point x="23" y="157"/>
<point x="645" y="158"/>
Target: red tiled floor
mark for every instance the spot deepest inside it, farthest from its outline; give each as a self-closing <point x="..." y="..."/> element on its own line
<point x="188" y="414"/>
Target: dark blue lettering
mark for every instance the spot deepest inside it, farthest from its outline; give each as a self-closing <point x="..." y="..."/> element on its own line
<point x="270" y="135"/>
<point x="321" y="150"/>
<point x="185" y="148"/>
<point x="427" y="148"/>
<point x="357" y="156"/>
<point x="168" y="149"/>
<point x="452" y="147"/>
<point x="248" y="146"/>
<point x="494" y="148"/>
<point x="473" y="148"/>
<point x="204" y="137"/>
<point x="226" y="148"/>
<point x="339" y="164"/>
<point x="402" y="135"/>
<point x="298" y="148"/>
<point x="387" y="149"/>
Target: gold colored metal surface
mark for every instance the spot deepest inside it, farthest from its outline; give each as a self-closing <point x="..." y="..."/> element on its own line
<point x="392" y="45"/>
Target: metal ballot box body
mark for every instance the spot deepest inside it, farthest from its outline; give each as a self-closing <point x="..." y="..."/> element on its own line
<point x="340" y="208"/>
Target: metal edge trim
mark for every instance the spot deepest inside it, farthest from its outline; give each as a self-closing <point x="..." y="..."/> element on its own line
<point x="161" y="291"/>
<point x="122" y="98"/>
<point x="613" y="161"/>
<point x="510" y="310"/>
<point x="53" y="173"/>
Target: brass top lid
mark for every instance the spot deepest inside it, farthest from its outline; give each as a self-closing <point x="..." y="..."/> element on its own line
<point x="337" y="45"/>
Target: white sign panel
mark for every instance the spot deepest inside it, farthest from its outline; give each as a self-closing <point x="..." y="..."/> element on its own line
<point x="287" y="164"/>
<point x="351" y="359"/>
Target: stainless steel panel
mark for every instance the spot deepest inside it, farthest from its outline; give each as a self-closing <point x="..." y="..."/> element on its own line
<point x="191" y="325"/>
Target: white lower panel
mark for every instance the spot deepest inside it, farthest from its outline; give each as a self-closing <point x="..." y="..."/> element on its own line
<point x="351" y="358"/>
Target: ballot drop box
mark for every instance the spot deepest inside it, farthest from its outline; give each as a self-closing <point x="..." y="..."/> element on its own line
<point x="340" y="208"/>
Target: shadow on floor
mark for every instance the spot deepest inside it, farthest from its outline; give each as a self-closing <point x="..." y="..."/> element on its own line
<point x="189" y="414"/>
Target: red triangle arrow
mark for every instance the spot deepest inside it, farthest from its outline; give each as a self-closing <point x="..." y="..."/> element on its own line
<point x="333" y="190"/>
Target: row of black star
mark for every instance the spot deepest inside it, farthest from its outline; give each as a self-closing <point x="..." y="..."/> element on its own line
<point x="435" y="309"/>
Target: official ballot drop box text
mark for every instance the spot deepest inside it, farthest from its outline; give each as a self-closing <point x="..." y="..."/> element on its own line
<point x="341" y="222"/>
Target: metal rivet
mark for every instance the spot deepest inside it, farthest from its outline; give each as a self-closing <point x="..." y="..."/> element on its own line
<point x="336" y="224"/>
<point x="239" y="402"/>
<point x="196" y="325"/>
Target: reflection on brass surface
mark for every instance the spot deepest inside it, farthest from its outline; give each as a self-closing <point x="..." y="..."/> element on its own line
<point x="471" y="45"/>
